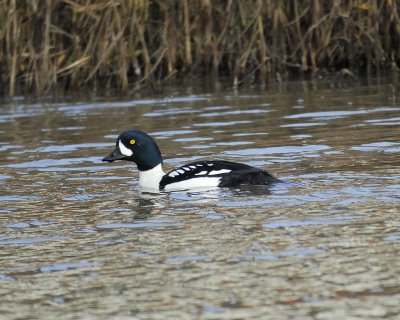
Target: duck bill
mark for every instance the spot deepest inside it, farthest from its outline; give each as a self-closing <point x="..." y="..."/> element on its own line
<point x="115" y="155"/>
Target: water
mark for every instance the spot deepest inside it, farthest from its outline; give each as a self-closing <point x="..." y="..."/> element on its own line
<point x="79" y="241"/>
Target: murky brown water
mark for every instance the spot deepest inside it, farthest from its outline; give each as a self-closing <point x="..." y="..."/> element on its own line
<point x="78" y="241"/>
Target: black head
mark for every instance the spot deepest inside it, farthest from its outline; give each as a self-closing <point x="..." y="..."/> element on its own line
<point x="138" y="147"/>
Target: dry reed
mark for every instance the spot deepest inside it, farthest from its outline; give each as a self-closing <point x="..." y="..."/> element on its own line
<point x="124" y="44"/>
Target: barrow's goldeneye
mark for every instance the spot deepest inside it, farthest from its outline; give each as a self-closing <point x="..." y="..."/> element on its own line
<point x="139" y="147"/>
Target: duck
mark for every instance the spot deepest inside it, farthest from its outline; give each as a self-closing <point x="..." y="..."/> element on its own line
<point x="140" y="148"/>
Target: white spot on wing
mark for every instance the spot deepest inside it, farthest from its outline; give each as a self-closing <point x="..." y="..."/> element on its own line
<point x="210" y="164"/>
<point x="192" y="167"/>
<point x="173" y="174"/>
<point x="124" y="150"/>
<point x="180" y="171"/>
<point x="201" y="173"/>
<point x="215" y="172"/>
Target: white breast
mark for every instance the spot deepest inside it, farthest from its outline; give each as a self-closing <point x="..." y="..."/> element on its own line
<point x="149" y="180"/>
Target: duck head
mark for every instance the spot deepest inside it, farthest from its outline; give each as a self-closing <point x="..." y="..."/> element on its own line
<point x="138" y="147"/>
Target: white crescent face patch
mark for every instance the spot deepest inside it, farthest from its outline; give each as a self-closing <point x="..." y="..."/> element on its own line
<point x="124" y="150"/>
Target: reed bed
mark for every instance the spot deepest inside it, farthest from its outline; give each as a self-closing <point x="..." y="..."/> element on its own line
<point x="72" y="44"/>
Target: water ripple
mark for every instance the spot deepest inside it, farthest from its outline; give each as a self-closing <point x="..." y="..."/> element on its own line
<point x="310" y="222"/>
<point x="150" y="224"/>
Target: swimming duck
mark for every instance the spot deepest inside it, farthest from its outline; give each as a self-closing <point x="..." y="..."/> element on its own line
<point x="140" y="148"/>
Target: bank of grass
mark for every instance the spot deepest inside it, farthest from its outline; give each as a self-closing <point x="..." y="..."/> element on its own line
<point x="126" y="44"/>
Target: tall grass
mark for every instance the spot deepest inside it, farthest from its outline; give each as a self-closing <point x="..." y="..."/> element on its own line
<point x="72" y="44"/>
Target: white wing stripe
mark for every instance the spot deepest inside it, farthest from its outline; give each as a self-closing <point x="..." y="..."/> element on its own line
<point x="201" y="173"/>
<point x="219" y="172"/>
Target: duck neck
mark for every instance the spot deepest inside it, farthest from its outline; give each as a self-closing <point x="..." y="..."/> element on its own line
<point x="147" y="156"/>
<point x="150" y="179"/>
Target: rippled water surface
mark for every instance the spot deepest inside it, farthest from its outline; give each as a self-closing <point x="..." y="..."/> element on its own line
<point x="79" y="241"/>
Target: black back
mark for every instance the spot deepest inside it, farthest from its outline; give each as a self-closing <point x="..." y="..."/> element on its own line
<point x="239" y="173"/>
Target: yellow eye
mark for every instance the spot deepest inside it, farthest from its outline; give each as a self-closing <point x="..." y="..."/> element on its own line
<point x="132" y="141"/>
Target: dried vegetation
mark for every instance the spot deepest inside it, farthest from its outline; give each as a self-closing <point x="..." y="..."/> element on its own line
<point x="72" y="44"/>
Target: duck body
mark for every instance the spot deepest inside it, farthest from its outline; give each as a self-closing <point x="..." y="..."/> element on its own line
<point x="140" y="148"/>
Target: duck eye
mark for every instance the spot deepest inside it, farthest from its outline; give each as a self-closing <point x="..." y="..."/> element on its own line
<point x="132" y="141"/>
